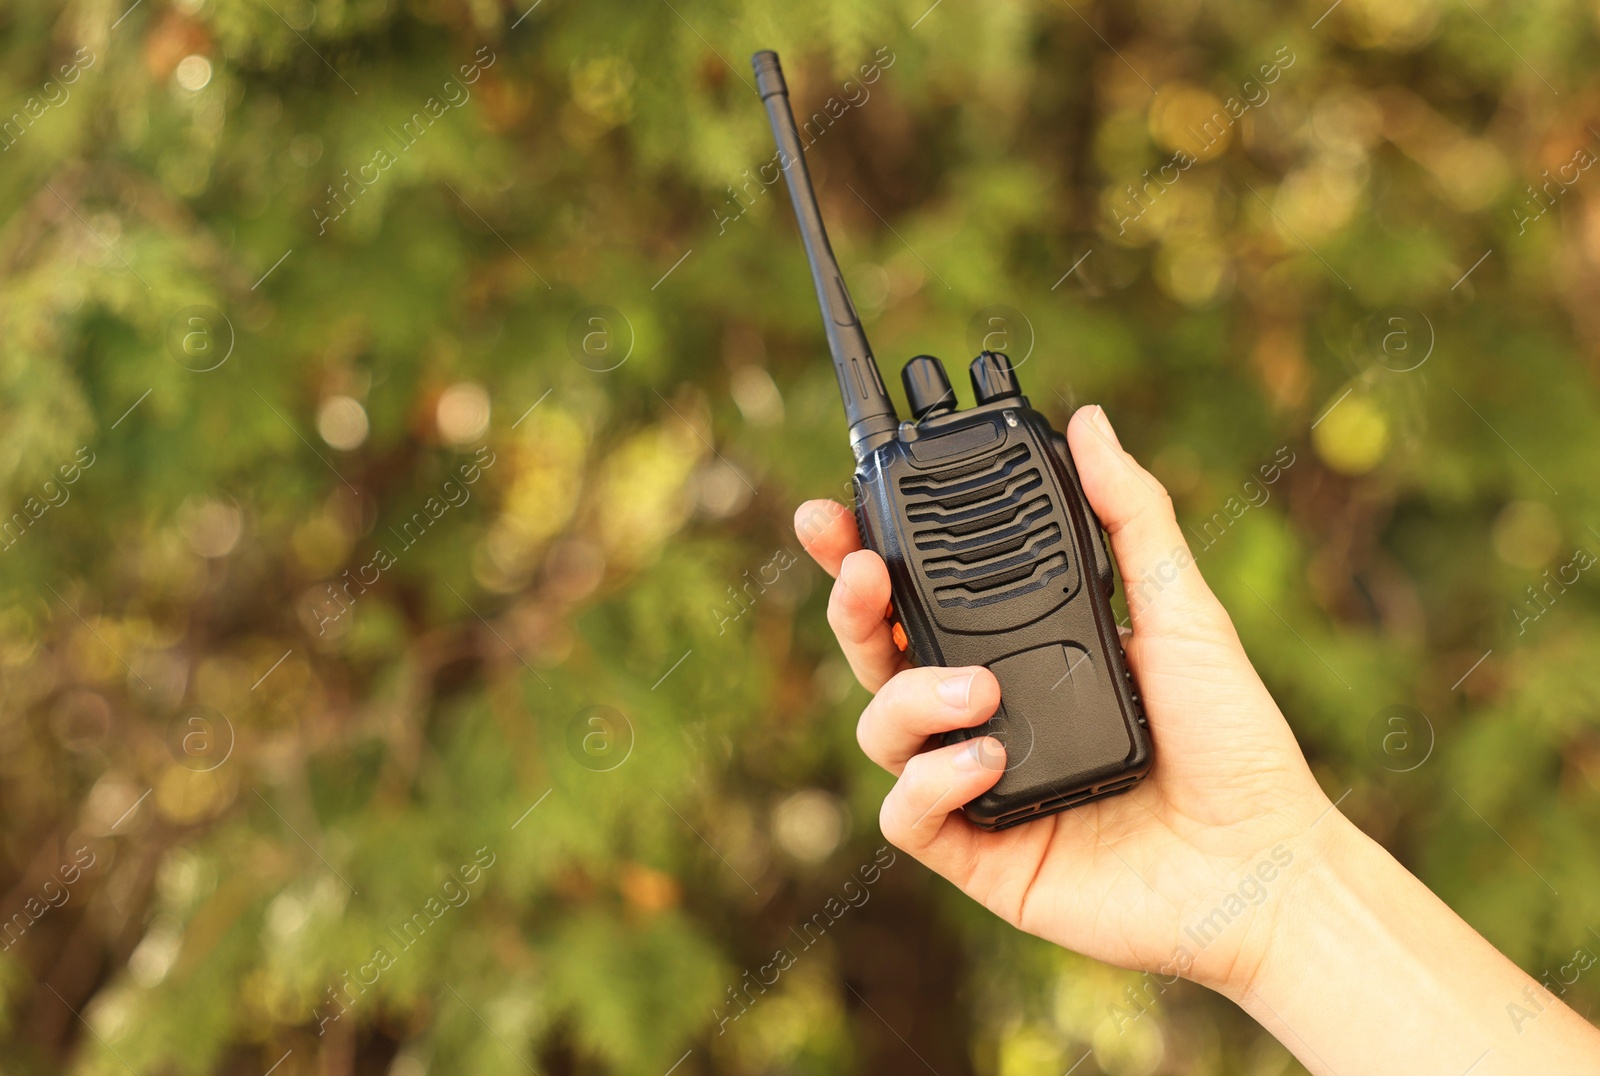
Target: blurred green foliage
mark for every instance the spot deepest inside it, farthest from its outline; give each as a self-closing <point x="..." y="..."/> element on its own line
<point x="279" y="276"/>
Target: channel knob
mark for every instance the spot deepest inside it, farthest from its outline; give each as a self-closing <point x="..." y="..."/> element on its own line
<point x="928" y="389"/>
<point x="992" y="377"/>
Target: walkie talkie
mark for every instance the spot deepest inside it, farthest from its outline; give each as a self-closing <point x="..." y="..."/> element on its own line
<point x="994" y="555"/>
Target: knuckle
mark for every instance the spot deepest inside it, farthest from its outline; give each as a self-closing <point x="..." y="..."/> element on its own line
<point x="1156" y="503"/>
<point x="901" y="689"/>
<point x="890" y="821"/>
<point x="838" y="611"/>
<point x="914" y="777"/>
<point x="901" y="696"/>
<point x="863" y="725"/>
<point x="835" y="610"/>
<point x="849" y="618"/>
<point x="844" y="622"/>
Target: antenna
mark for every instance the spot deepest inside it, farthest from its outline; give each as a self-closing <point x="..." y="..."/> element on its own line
<point x="867" y="405"/>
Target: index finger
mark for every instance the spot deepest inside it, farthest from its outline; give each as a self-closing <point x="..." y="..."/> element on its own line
<point x="861" y="593"/>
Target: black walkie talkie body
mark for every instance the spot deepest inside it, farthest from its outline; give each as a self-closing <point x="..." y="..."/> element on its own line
<point x="994" y="555"/>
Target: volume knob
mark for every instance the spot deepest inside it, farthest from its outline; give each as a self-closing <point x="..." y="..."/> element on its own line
<point x="993" y="378"/>
<point x="927" y="387"/>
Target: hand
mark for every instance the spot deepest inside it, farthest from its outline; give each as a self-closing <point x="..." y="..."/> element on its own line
<point x="1122" y="878"/>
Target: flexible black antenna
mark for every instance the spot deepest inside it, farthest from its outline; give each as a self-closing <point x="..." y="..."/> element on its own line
<point x="867" y="405"/>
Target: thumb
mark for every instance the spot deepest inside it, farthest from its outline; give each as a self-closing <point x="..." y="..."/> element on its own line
<point x="1163" y="587"/>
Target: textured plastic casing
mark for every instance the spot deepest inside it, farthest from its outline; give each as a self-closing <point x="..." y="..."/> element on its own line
<point x="996" y="559"/>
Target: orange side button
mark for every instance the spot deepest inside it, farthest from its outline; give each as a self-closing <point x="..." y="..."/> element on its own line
<point x="898" y="633"/>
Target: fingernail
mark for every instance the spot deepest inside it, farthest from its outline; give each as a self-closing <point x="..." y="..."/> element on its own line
<point x="982" y="753"/>
<point x="970" y="757"/>
<point x="956" y="691"/>
<point x="1104" y="424"/>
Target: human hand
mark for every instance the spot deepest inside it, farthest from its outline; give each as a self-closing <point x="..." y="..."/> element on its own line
<point x="1119" y="879"/>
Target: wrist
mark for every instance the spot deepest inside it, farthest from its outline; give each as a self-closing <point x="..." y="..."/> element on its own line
<point x="1318" y="866"/>
<point x="1353" y="939"/>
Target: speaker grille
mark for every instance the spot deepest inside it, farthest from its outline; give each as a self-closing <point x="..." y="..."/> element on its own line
<point x="986" y="528"/>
